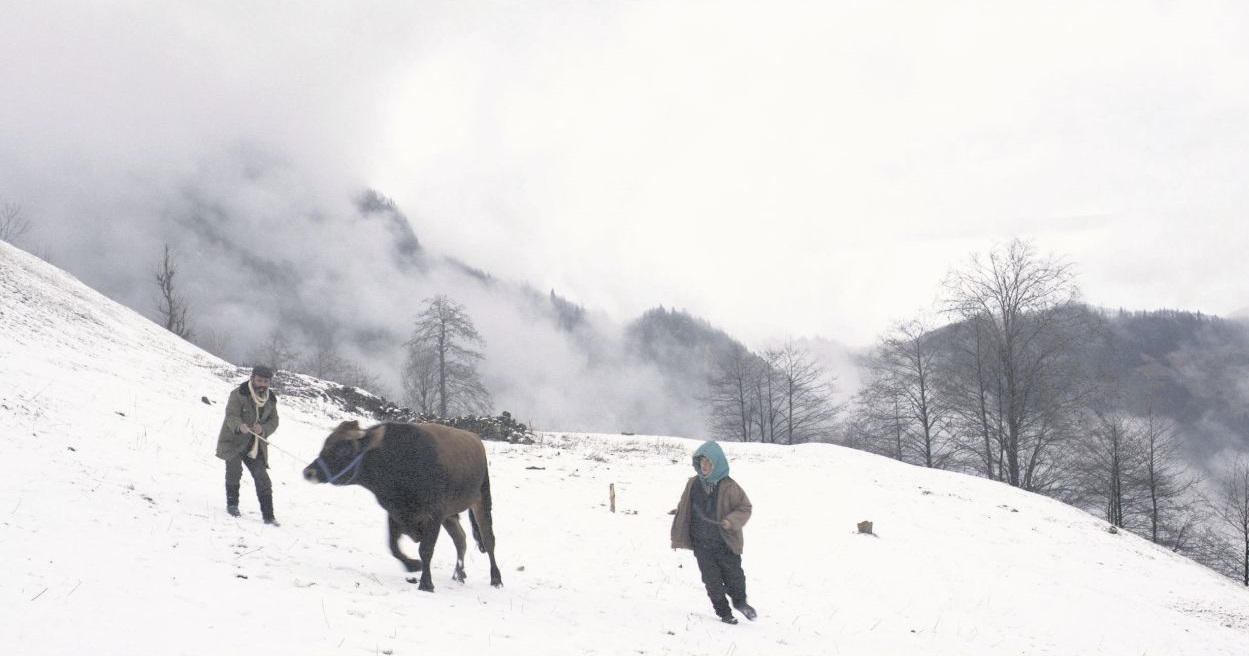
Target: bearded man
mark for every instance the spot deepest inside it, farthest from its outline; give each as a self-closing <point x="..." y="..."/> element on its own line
<point x="251" y="418"/>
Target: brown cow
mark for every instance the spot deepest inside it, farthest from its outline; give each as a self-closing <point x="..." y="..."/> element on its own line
<point x="423" y="475"/>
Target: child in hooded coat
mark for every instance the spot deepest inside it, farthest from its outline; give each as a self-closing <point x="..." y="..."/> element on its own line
<point x="709" y="520"/>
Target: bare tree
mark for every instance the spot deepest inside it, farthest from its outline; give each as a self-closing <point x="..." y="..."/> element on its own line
<point x="325" y="362"/>
<point x="216" y="342"/>
<point x="1169" y="485"/>
<point x="278" y="353"/>
<point x="807" y="410"/>
<point x="442" y="351"/>
<point x="902" y="373"/>
<point x="853" y="432"/>
<point x="1110" y="465"/>
<point x="13" y="226"/>
<point x="1025" y="327"/>
<point x="766" y="398"/>
<point x="783" y="396"/>
<point x="877" y="424"/>
<point x="730" y="396"/>
<point x="420" y="380"/>
<point x="171" y="304"/>
<point x="1231" y="507"/>
<point x="967" y="388"/>
<point x="354" y="374"/>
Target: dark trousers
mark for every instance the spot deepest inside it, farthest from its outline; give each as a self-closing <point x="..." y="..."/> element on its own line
<point x="722" y="574"/>
<point x="260" y="475"/>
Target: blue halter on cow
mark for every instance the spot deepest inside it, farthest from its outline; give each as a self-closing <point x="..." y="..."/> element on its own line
<point x="423" y="475"/>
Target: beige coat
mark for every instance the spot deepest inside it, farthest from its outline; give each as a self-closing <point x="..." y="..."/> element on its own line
<point x="241" y="411"/>
<point x="732" y="504"/>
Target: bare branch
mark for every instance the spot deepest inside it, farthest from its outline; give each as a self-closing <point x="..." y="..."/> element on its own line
<point x="171" y="305"/>
<point x="13" y="226"/>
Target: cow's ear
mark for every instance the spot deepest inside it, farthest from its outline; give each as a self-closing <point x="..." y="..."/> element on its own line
<point x="373" y="437"/>
<point x="348" y="430"/>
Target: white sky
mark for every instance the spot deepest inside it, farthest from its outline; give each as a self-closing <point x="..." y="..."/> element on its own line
<point x="115" y="541"/>
<point x="778" y="168"/>
<point x="811" y="168"/>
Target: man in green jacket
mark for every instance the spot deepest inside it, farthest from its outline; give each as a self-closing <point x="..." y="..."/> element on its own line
<point x="709" y="519"/>
<point x="251" y="417"/>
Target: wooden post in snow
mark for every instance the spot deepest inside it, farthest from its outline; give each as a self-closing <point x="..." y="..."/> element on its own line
<point x="611" y="490"/>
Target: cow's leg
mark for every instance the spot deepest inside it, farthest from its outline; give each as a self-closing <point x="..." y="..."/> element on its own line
<point x="428" y="532"/>
<point x="452" y="525"/>
<point x="395" y="531"/>
<point x="480" y="516"/>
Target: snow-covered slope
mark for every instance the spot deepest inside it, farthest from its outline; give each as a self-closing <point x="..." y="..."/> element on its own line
<point x="114" y="539"/>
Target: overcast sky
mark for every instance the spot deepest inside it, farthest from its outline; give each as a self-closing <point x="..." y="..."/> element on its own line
<point x="778" y="168"/>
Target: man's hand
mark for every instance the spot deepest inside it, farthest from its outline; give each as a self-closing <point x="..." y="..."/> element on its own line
<point x="726" y="525"/>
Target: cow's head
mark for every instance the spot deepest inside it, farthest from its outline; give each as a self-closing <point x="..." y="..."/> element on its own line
<point x="343" y="452"/>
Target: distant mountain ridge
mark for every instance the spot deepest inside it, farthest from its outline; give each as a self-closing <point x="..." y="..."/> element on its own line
<point x="343" y="286"/>
<point x="1191" y="367"/>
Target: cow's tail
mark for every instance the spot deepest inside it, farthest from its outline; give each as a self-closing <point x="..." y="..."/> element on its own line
<point x="483" y="524"/>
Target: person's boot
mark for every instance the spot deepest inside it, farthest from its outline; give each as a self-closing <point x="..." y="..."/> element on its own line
<point x="746" y="610"/>
<point x="721" y="607"/>
<point x="266" y="510"/>
<point x="232" y="500"/>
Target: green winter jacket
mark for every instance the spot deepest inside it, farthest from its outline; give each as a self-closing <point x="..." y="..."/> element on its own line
<point x="241" y="411"/>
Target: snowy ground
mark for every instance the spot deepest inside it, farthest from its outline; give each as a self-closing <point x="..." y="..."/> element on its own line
<point x="114" y="539"/>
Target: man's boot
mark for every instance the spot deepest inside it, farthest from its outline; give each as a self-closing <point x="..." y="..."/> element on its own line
<point x="232" y="500"/>
<point x="266" y="510"/>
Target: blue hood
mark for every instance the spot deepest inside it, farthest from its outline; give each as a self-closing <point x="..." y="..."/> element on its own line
<point x="711" y="450"/>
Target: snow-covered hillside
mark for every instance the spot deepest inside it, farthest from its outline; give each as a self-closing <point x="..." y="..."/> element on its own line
<point x="114" y="539"/>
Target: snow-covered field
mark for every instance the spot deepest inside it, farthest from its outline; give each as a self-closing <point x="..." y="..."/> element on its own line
<point x="114" y="538"/>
